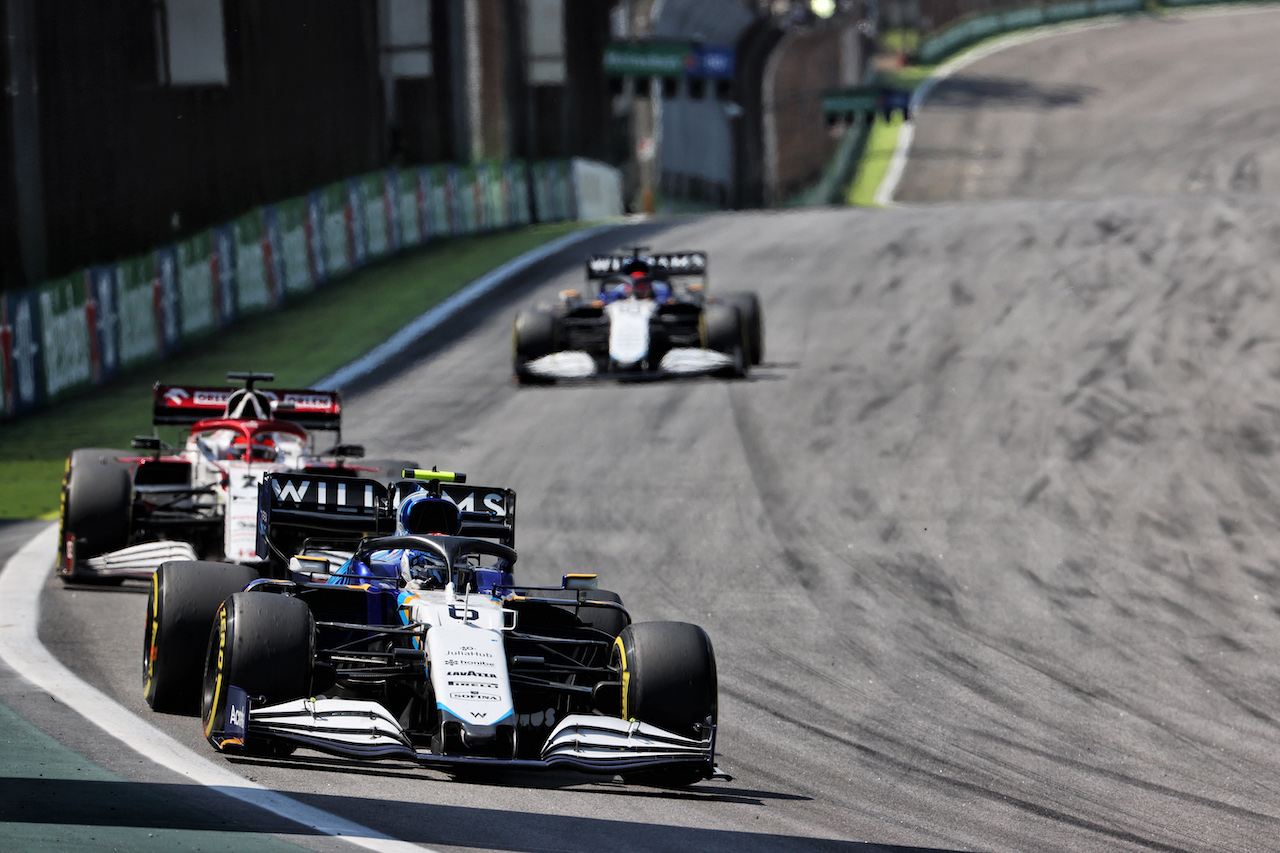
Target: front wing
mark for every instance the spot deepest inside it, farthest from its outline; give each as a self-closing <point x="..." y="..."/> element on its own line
<point x="364" y="729"/>
<point x="579" y="364"/>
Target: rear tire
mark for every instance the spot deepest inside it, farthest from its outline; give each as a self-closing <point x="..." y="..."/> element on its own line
<point x="748" y="305"/>
<point x="263" y="643"/>
<point x="181" y="610"/>
<point x="97" y="506"/>
<point x="533" y="336"/>
<point x="669" y="673"/>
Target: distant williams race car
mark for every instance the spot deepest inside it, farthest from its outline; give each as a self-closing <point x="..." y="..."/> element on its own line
<point x="645" y="315"/>
<point x="126" y="511"/>
<point x="419" y="644"/>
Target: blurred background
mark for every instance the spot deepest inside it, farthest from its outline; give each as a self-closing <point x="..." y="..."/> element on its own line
<point x="129" y="124"/>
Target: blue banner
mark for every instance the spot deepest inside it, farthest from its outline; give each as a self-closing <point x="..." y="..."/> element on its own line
<point x="315" y="237"/>
<point x="355" y="208"/>
<point x="224" y="282"/>
<point x="273" y="253"/>
<point x="715" y="61"/>
<point x="20" y="345"/>
<point x="105" y="332"/>
<point x="168" y="301"/>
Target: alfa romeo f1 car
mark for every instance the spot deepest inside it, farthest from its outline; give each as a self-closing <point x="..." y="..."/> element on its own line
<point x="644" y="315"/>
<point x="419" y="644"/>
<point x="125" y="512"/>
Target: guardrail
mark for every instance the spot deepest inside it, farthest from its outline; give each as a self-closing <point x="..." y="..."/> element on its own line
<point x="973" y="28"/>
<point x="83" y="329"/>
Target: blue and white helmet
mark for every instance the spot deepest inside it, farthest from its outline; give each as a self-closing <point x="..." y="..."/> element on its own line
<point x="420" y="514"/>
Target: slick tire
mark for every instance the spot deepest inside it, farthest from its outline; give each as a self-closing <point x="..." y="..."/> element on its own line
<point x="181" y="610"/>
<point x="263" y="643"/>
<point x="668" y="672"/>
<point x="748" y="305"/>
<point x="97" y="505"/>
<point x="533" y="336"/>
<point x="724" y="331"/>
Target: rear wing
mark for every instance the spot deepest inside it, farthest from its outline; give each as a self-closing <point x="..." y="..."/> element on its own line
<point x="186" y="404"/>
<point x="296" y="506"/>
<point x="664" y="264"/>
<point x="487" y="512"/>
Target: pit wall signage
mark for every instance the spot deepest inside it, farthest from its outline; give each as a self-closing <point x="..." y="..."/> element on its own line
<point x="86" y="328"/>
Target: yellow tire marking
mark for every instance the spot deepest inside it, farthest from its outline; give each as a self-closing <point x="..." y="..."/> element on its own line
<point x="626" y="676"/>
<point x="217" y="687"/>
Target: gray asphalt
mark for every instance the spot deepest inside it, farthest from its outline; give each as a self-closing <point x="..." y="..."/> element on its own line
<point x="986" y="546"/>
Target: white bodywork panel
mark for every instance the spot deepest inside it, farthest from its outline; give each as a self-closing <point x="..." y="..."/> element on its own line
<point x="145" y="557"/>
<point x="629" y="329"/>
<point x="468" y="667"/>
<point x="240" y="515"/>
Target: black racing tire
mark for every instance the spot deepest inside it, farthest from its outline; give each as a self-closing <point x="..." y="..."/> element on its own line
<point x="97" y="505"/>
<point x="668" y="670"/>
<point x="748" y="305"/>
<point x="724" y="331"/>
<point x="535" y="334"/>
<point x="608" y="619"/>
<point x="181" y="610"/>
<point x="263" y="643"/>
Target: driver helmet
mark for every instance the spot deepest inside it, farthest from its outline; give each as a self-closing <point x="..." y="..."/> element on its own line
<point x="263" y="448"/>
<point x="422" y="514"/>
<point x="641" y="285"/>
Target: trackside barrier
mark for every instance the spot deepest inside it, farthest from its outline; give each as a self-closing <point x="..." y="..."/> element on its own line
<point x="599" y="189"/>
<point x="973" y="28"/>
<point x="84" y="329"/>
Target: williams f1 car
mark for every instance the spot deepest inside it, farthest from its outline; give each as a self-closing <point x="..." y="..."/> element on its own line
<point x="418" y="643"/>
<point x="126" y="511"/>
<point x="644" y="315"/>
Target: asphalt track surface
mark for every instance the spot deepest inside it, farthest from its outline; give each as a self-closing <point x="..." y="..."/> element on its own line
<point x="987" y="547"/>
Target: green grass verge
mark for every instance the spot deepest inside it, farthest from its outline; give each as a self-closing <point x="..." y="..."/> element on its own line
<point x="875" y="161"/>
<point x="302" y="344"/>
<point x="883" y="138"/>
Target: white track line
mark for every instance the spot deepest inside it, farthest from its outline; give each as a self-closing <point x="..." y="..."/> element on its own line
<point x="25" y="574"/>
<point x="437" y="316"/>
<point x="21" y="581"/>
<point x="898" y="162"/>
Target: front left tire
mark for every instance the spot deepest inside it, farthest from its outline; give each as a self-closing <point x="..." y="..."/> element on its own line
<point x="264" y="644"/>
<point x="668" y="672"/>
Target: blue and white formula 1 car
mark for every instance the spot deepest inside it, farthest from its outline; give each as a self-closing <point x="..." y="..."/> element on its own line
<point x="125" y="512"/>
<point x="421" y="645"/>
<point x="646" y="315"/>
